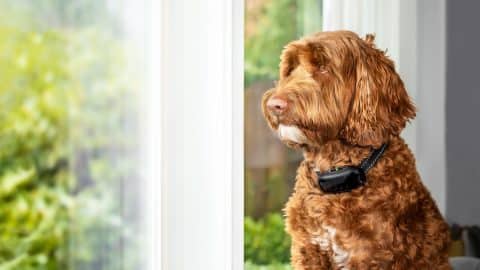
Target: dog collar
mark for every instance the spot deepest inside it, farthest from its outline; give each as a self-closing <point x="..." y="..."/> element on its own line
<point x="348" y="178"/>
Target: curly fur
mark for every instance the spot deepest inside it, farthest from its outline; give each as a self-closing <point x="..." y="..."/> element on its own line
<point x="345" y="97"/>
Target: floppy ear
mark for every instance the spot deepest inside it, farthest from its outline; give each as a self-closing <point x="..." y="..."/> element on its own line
<point x="380" y="106"/>
<point x="301" y="52"/>
<point x="289" y="59"/>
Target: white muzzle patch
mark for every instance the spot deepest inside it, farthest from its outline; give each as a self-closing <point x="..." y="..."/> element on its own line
<point x="291" y="133"/>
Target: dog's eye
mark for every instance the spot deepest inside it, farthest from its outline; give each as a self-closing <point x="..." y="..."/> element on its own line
<point x="322" y="70"/>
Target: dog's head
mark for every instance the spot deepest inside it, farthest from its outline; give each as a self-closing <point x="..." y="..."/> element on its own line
<point x="335" y="85"/>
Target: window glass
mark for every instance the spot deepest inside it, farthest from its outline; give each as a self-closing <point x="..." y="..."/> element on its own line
<point x="71" y="74"/>
<point x="269" y="166"/>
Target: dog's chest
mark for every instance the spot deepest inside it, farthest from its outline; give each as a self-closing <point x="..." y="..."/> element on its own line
<point x="326" y="241"/>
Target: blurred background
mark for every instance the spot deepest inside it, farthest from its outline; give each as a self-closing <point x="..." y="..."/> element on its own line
<point x="70" y="76"/>
<point x="435" y="50"/>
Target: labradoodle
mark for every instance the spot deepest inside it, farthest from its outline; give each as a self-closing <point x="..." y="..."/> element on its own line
<point x="358" y="201"/>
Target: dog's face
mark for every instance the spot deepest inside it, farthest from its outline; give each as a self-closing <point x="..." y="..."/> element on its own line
<point x="335" y="85"/>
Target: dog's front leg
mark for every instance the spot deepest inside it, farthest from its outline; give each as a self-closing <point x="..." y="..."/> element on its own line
<point x="308" y="256"/>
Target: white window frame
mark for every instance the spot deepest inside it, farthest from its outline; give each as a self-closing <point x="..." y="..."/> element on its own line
<point x="153" y="137"/>
<point x="195" y="118"/>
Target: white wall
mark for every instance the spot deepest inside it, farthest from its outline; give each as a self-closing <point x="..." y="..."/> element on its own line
<point x="431" y="129"/>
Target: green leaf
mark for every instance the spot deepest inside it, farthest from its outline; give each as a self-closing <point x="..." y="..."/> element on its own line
<point x="12" y="180"/>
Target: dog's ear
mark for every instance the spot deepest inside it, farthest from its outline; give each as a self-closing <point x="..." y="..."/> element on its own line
<point x="300" y="52"/>
<point x="380" y="106"/>
<point x="289" y="58"/>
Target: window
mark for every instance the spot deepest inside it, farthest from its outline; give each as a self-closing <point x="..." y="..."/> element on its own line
<point x="269" y="166"/>
<point x="71" y="182"/>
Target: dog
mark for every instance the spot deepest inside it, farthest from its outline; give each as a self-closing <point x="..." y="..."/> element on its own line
<point x="340" y="101"/>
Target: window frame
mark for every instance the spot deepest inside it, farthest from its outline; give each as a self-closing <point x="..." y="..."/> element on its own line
<point x="195" y="222"/>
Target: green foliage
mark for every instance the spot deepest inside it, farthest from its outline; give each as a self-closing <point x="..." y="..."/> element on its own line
<point x="33" y="180"/>
<point x="274" y="28"/>
<point x="66" y="150"/>
<point x="275" y="266"/>
<point x="278" y="23"/>
<point x="266" y="241"/>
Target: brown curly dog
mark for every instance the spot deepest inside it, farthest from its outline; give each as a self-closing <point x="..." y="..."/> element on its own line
<point x="338" y="99"/>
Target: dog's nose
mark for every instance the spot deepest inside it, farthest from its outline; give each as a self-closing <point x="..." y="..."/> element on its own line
<point x="277" y="105"/>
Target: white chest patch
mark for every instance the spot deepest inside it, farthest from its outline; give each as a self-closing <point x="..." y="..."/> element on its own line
<point x="326" y="241"/>
<point x="291" y="133"/>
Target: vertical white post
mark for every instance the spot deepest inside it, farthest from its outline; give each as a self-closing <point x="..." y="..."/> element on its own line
<point x="202" y="131"/>
<point x="431" y="98"/>
<point x="238" y="131"/>
<point x="407" y="64"/>
<point x="152" y="143"/>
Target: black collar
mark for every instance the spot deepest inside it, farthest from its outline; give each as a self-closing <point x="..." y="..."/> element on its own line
<point x="348" y="178"/>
